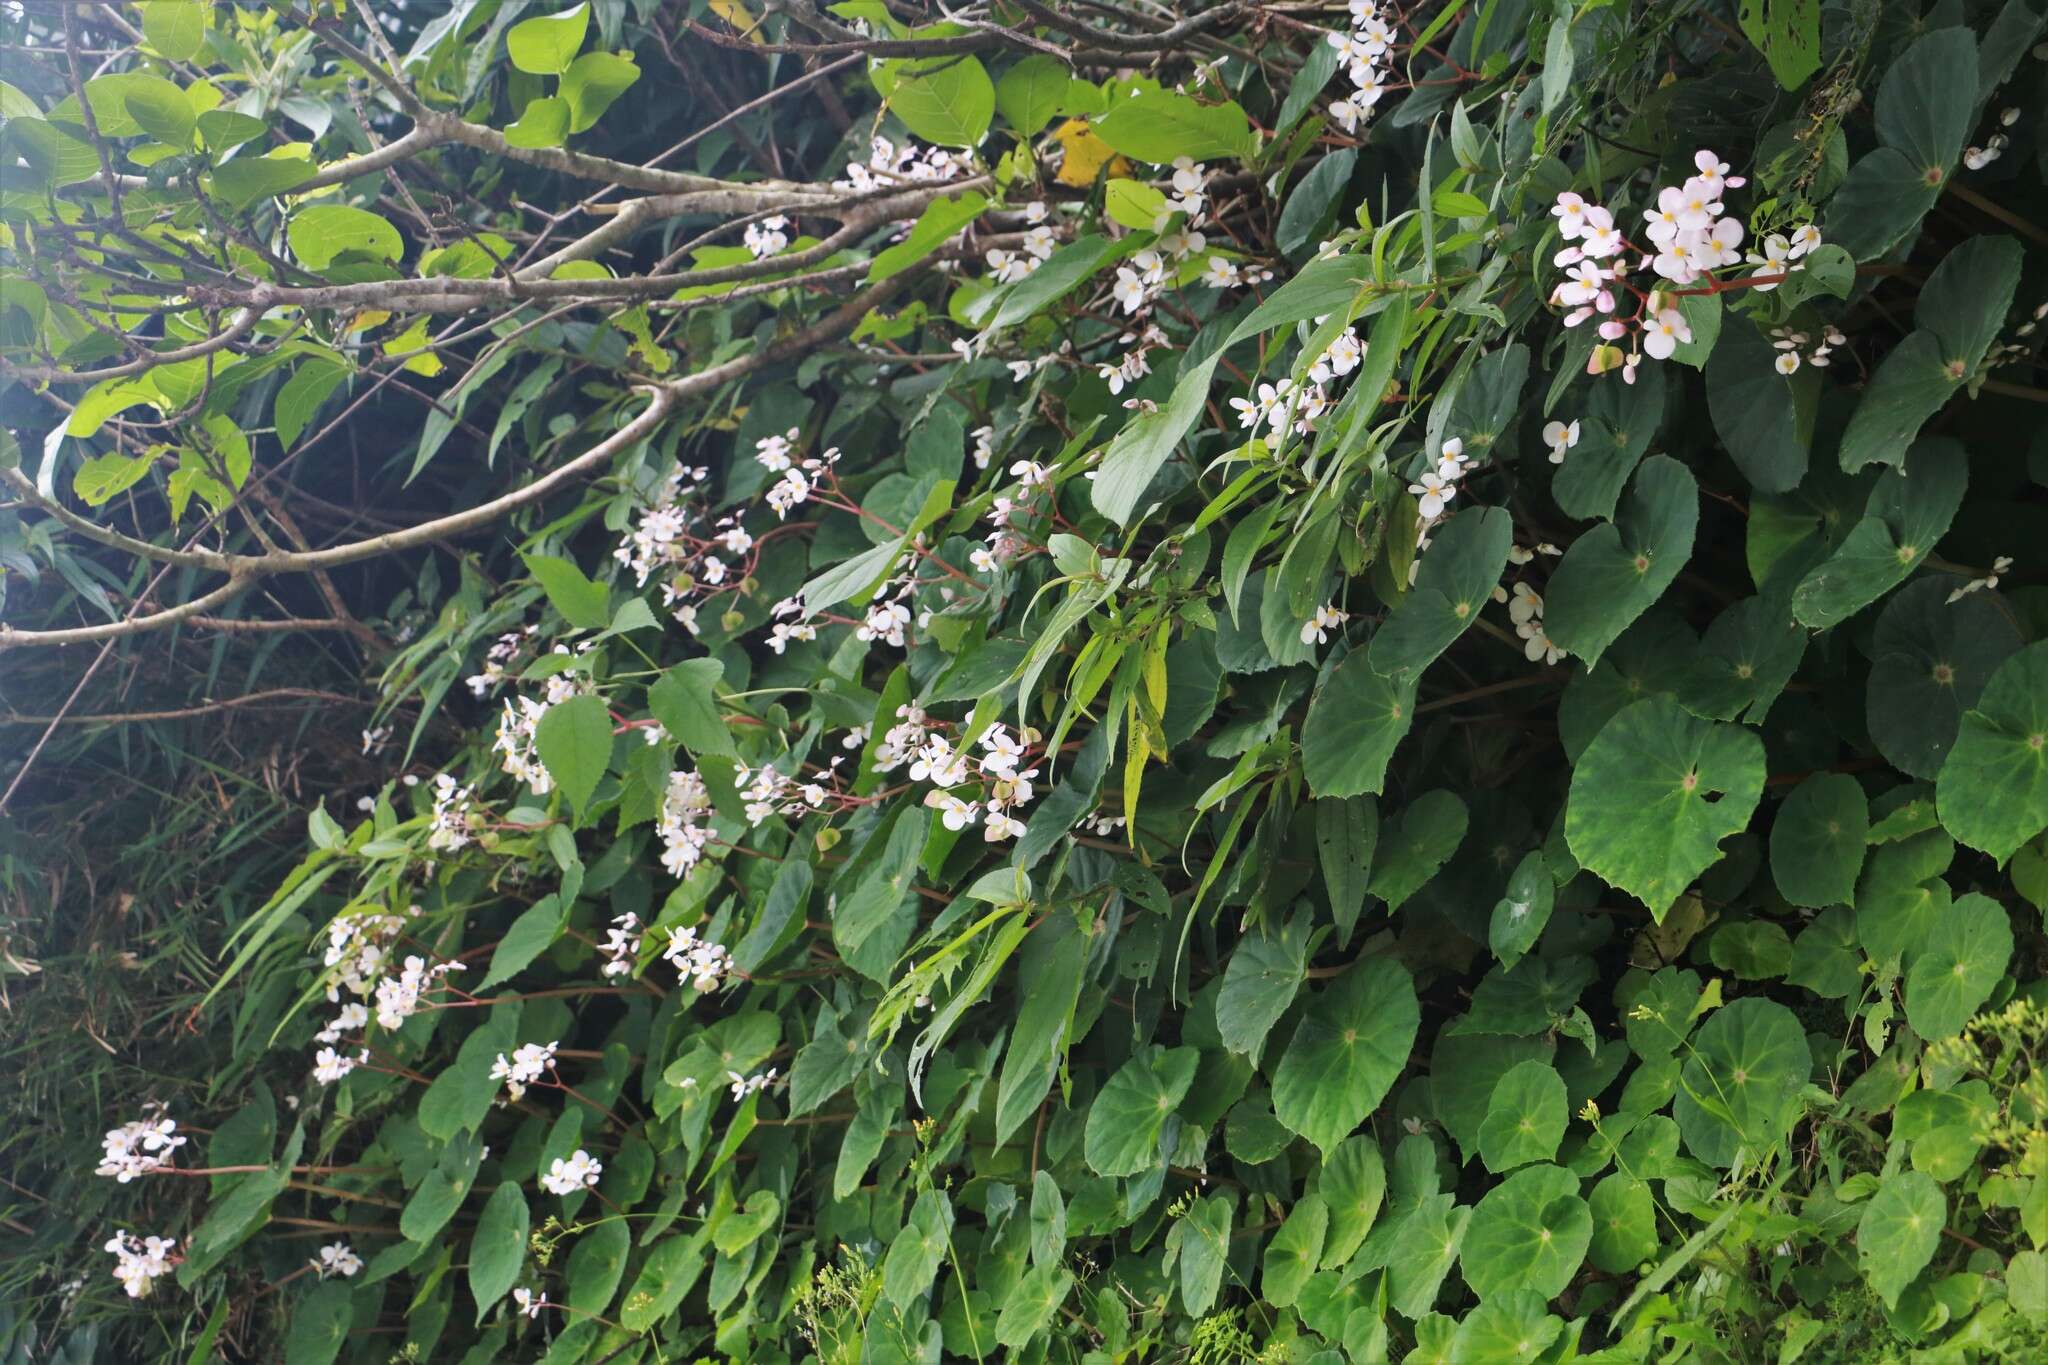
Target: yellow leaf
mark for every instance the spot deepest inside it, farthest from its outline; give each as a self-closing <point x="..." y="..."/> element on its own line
<point x="735" y="14"/>
<point x="1086" y="155"/>
<point x="367" y="320"/>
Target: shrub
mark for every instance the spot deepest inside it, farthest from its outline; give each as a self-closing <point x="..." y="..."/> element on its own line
<point x="1258" y="682"/>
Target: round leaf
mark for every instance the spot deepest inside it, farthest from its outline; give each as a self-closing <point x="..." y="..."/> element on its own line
<point x="1654" y="795"/>
<point x="1529" y="1232"/>
<point x="1818" y="839"/>
<point x="1346" y="1052"/>
<point x="1954" y="974"/>
<point x="1525" y="1117"/>
<point x="1738" y="1090"/>
<point x="1124" y="1123"/>
<point x="1993" y="790"/>
<point x="1899" y="1231"/>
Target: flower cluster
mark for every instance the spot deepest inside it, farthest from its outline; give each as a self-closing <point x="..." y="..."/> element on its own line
<point x="502" y="652"/>
<point x="743" y="1086"/>
<point x="889" y="165"/>
<point x="1366" y="52"/>
<point x="1316" y="630"/>
<point x="517" y="725"/>
<point x="698" y="961"/>
<point x="1789" y="343"/>
<point x="567" y="1175"/>
<point x="682" y="825"/>
<point x="1282" y="406"/>
<point x="621" y="947"/>
<point x="766" y="237"/>
<point x="1525" y="610"/>
<point x="360" y="958"/>
<point x="1977" y="158"/>
<point x="1999" y="568"/>
<point x="659" y="541"/>
<point x="1001" y="785"/>
<point x="138" y="1261"/>
<point x="1037" y="248"/>
<point x="336" y="1258"/>
<point x="398" y="997"/>
<point x="1688" y="238"/>
<point x="449" y="827"/>
<point x="138" y="1148"/>
<point x="527" y="1064"/>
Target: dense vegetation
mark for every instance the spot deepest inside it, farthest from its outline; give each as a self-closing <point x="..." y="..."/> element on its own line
<point x="1081" y="681"/>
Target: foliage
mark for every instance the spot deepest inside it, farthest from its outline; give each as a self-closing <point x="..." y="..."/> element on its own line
<point x="1250" y="681"/>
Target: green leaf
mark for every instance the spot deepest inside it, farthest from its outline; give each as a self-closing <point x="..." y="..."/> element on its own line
<point x="1654" y="795"/>
<point x="592" y="82"/>
<point x="300" y="397"/>
<point x="1259" y="983"/>
<point x="1520" y="914"/>
<point x="546" y="45"/>
<point x="1052" y="958"/>
<point x="1906" y="515"/>
<point x="949" y="101"/>
<point x="1125" y="1122"/>
<point x="919" y="1249"/>
<point x="1347" y="832"/>
<point x="101" y="478"/>
<point x="1513" y="1326"/>
<point x="1353" y="1183"/>
<point x="319" y="233"/>
<point x="574" y="741"/>
<point x="1930" y="659"/>
<point x="1787" y="32"/>
<point x="1620" y="422"/>
<point x="246" y="179"/>
<point x="1738" y="1092"/>
<point x="1133" y="203"/>
<point x="161" y="109"/>
<point x="1310" y="204"/>
<point x="1817" y="840"/>
<point x="1965" y="300"/>
<point x="460" y="1097"/>
<point x="497" y="1249"/>
<point x="1525" y="1117"/>
<point x="1966" y="953"/>
<point x="1048" y="1220"/>
<point x="1032" y="92"/>
<point x="1346" y="1052"/>
<point x="1031" y="1304"/>
<point x="670" y="1271"/>
<point x="175" y="28"/>
<point x="582" y="603"/>
<point x="1993" y="789"/>
<point x="1614" y="573"/>
<point x="1159" y="125"/>
<point x="1764" y="419"/>
<point x="1624" y="1224"/>
<point x="940" y="220"/>
<point x="543" y="123"/>
<point x="1354" y="721"/>
<point x="1201" y="1238"/>
<point x="1417" y="844"/>
<point x="1457" y="576"/>
<point x="685" y="700"/>
<point x="443" y="1189"/>
<point x="597" y="1265"/>
<point x="532" y="934"/>
<point x="1529" y="1232"/>
<point x="1899" y="1232"/>
<point x="319" y="1325"/>
<point x="1918" y="111"/>
<point x="1292" y="1254"/>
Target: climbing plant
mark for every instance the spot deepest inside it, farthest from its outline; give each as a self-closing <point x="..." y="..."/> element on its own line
<point x="1090" y="682"/>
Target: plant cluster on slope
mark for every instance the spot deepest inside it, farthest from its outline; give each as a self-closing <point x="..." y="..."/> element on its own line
<point x="1283" y="681"/>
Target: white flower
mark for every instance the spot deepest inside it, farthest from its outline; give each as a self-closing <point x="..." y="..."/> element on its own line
<point x="337" y="1258"/>
<point x="567" y="1175"/>
<point x="954" y="813"/>
<point x="1526" y="605"/>
<point x="1786" y="363"/>
<point x="766" y="237"/>
<point x="701" y="962"/>
<point x="774" y="451"/>
<point x="330" y="1066"/>
<point x="1434" y="492"/>
<point x="1560" y="437"/>
<point x="1663" y="334"/>
<point x="1000" y="826"/>
<point x="138" y="1148"/>
<point x="1316" y="630"/>
<point x="885" y="621"/>
<point x="1804" y="239"/>
<point x="1031" y="474"/>
<point x="529" y="1303"/>
<point x="1999" y="567"/>
<point x="527" y="1063"/>
<point x="139" y="1261"/>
